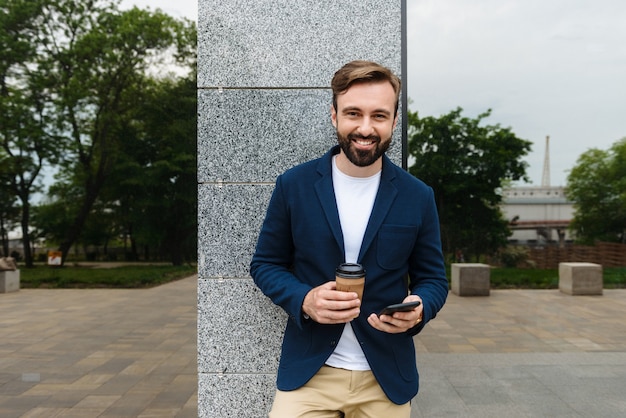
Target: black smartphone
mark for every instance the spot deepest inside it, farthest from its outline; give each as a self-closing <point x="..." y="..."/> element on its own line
<point x="400" y="307"/>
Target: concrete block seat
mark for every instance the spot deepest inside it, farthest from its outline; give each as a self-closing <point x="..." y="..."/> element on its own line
<point x="580" y="278"/>
<point x="9" y="281"/>
<point x="471" y="279"/>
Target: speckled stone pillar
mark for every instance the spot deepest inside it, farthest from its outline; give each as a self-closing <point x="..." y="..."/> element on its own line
<point x="264" y="70"/>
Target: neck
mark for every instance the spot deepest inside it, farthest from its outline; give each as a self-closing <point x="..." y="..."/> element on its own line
<point x="347" y="167"/>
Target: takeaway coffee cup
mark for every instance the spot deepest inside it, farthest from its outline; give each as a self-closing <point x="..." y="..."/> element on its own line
<point x="350" y="277"/>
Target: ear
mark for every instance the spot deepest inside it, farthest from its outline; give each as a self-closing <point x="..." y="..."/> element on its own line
<point x="395" y="122"/>
<point x="333" y="116"/>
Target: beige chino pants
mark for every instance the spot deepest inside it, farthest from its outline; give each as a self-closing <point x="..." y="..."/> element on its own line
<point x="336" y="393"/>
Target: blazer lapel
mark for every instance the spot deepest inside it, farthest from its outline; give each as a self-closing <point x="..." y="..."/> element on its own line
<point x="384" y="199"/>
<point x="326" y="195"/>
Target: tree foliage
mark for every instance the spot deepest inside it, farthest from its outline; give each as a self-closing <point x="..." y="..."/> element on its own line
<point x="27" y="131"/>
<point x="99" y="63"/>
<point x="9" y="213"/>
<point x="154" y="183"/>
<point x="466" y="163"/>
<point x="75" y="80"/>
<point x="597" y="186"/>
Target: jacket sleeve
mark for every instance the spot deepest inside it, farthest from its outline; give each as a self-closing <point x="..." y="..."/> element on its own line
<point x="427" y="274"/>
<point x="271" y="263"/>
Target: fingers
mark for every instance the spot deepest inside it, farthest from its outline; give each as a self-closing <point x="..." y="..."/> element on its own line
<point x="326" y="305"/>
<point x="399" y="321"/>
<point x="390" y="324"/>
<point x="328" y="316"/>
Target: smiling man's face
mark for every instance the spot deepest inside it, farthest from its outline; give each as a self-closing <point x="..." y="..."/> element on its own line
<point x="364" y="120"/>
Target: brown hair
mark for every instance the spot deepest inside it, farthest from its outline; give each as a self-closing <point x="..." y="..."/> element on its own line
<point x="362" y="72"/>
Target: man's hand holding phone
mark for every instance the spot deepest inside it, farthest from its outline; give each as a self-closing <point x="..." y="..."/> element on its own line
<point x="400" y="317"/>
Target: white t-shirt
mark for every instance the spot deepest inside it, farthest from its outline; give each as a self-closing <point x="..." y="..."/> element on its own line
<point x="355" y="199"/>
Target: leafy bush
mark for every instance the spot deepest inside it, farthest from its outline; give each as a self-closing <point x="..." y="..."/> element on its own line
<point x="513" y="255"/>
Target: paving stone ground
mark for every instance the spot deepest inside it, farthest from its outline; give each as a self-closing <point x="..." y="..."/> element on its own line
<point x="524" y="353"/>
<point x="99" y="352"/>
<point x="132" y="353"/>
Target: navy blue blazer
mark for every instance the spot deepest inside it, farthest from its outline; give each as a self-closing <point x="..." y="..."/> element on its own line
<point x="301" y="244"/>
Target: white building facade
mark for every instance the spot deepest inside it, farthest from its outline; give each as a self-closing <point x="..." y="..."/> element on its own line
<point x="538" y="215"/>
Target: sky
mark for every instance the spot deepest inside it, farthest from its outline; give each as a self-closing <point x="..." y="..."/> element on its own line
<point x="545" y="67"/>
<point x="552" y="68"/>
<point x="174" y="8"/>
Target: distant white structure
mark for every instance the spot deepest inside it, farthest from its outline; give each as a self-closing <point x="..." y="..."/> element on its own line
<point x="17" y="246"/>
<point x="538" y="214"/>
<point x="545" y="178"/>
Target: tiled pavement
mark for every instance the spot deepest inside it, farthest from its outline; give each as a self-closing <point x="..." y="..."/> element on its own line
<point x="99" y="352"/>
<point x="525" y="353"/>
<point x="132" y="353"/>
<point x="528" y="321"/>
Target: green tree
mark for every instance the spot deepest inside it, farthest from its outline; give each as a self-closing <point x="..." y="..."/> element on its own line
<point x="72" y="75"/>
<point x="155" y="181"/>
<point x="98" y="63"/>
<point x="151" y="197"/>
<point x="52" y="218"/>
<point x="466" y="163"/>
<point x="27" y="134"/>
<point x="9" y="213"/>
<point x="597" y="186"/>
<point x="170" y="121"/>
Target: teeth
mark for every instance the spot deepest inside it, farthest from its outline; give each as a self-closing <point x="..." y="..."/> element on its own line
<point x="365" y="142"/>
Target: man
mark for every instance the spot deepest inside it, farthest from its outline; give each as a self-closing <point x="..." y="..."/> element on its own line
<point x="339" y="357"/>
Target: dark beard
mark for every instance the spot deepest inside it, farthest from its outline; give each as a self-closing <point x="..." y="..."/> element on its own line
<point x="362" y="158"/>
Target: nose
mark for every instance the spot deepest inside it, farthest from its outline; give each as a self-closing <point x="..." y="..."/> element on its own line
<point x="366" y="127"/>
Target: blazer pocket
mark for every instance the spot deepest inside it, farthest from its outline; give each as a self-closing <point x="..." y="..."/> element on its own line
<point x="404" y="352"/>
<point x="395" y="243"/>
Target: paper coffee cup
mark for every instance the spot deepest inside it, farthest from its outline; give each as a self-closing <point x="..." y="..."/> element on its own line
<point x="350" y="277"/>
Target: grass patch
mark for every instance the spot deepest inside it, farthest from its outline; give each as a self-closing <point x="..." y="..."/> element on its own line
<point x="615" y="278"/>
<point x="511" y="278"/>
<point x="123" y="277"/>
<point x="144" y="276"/>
